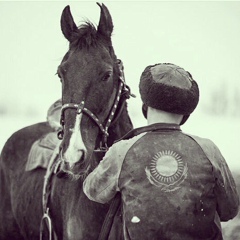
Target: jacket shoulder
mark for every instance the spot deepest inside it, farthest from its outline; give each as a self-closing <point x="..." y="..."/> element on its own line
<point x="126" y="143"/>
<point x="207" y="145"/>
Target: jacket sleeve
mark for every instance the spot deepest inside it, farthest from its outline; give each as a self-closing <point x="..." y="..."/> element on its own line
<point x="101" y="185"/>
<point x="225" y="188"/>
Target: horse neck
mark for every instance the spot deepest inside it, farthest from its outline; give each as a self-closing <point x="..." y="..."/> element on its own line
<point x="121" y="126"/>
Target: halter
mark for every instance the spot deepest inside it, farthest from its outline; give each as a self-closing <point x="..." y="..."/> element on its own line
<point x="81" y="109"/>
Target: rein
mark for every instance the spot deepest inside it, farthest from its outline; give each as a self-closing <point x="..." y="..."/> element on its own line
<point x="103" y="128"/>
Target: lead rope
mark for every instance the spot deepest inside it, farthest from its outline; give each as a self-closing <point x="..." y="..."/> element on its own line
<point x="114" y="209"/>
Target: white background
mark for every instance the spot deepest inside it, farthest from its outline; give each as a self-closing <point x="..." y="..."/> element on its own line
<point x="202" y="37"/>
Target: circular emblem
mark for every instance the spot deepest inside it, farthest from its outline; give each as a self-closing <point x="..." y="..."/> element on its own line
<point x="167" y="170"/>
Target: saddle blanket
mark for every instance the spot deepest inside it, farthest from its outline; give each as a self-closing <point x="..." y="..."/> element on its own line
<point x="42" y="151"/>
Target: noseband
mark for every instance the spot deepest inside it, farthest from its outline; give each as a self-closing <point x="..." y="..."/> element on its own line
<point x="103" y="128"/>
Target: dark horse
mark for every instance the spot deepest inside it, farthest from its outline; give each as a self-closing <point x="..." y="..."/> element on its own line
<point x="94" y="115"/>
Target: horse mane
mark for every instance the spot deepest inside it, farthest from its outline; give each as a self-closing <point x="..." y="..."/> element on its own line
<point x="86" y="36"/>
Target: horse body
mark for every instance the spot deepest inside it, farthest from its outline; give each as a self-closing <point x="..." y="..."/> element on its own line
<point x="79" y="218"/>
<point x="20" y="208"/>
<point x="90" y="74"/>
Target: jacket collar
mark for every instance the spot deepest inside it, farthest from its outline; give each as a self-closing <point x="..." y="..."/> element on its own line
<point x="151" y="128"/>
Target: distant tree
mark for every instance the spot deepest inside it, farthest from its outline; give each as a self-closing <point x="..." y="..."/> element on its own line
<point x="224" y="100"/>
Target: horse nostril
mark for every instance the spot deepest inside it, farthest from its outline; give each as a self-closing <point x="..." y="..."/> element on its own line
<point x="82" y="154"/>
<point x="61" y="170"/>
<point x="61" y="174"/>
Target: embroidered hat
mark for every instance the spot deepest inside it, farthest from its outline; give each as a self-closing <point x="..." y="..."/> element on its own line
<point x="169" y="88"/>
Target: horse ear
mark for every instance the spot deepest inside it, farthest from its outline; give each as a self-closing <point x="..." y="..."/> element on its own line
<point x="105" y="25"/>
<point x="68" y="25"/>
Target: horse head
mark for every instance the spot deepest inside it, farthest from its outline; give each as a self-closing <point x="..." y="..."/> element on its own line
<point x="93" y="89"/>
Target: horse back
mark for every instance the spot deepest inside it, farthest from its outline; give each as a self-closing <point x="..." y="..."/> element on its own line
<point x="17" y="147"/>
<point x="20" y="208"/>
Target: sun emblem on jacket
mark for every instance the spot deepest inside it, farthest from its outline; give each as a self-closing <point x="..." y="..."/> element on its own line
<point x="167" y="170"/>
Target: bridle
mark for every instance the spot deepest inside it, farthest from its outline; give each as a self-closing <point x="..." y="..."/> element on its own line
<point x="122" y="88"/>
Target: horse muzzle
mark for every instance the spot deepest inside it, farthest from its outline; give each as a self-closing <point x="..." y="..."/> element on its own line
<point x="70" y="169"/>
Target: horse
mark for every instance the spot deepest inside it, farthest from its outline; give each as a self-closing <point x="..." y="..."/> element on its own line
<point x="94" y="115"/>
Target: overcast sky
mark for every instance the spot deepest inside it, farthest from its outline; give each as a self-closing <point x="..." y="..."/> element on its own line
<point x="202" y="37"/>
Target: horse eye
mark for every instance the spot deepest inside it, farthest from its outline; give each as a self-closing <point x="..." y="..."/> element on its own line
<point x="106" y="76"/>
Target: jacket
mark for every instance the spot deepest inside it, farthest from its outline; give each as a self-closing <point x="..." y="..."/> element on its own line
<point x="173" y="186"/>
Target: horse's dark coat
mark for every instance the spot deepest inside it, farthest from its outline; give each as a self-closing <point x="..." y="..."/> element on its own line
<point x="20" y="191"/>
<point x="74" y="216"/>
